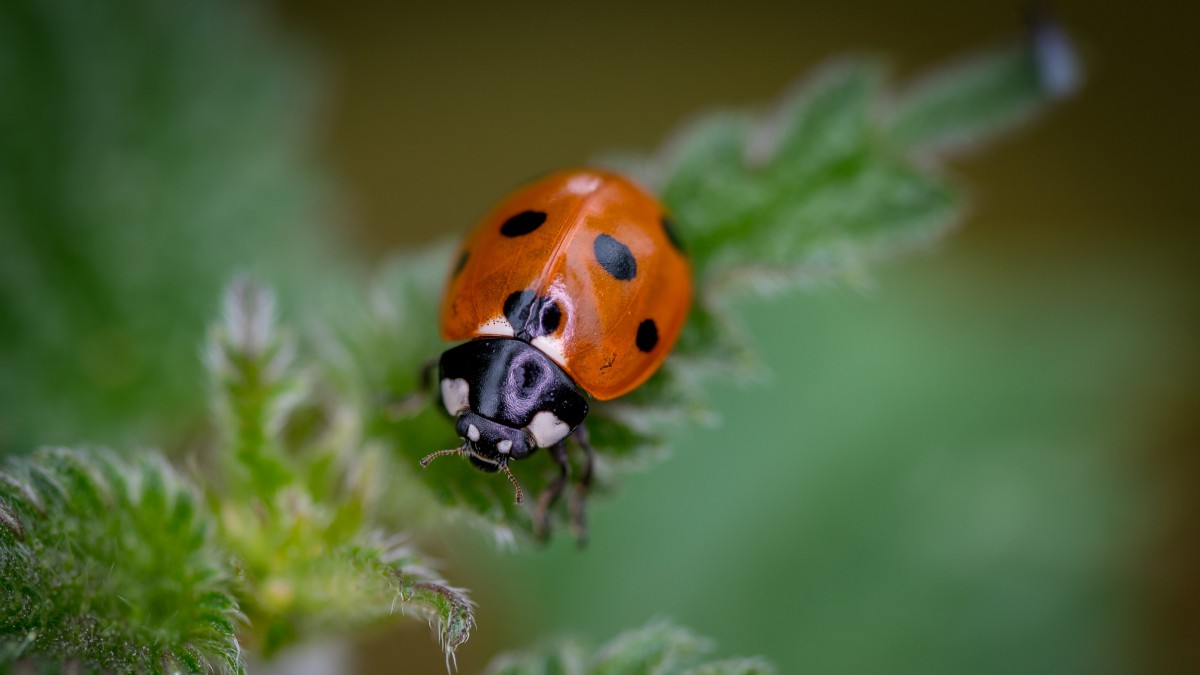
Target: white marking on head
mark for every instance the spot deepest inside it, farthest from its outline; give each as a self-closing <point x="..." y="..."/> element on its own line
<point x="552" y="347"/>
<point x="497" y="325"/>
<point x="456" y="395"/>
<point x="473" y="433"/>
<point x="504" y="446"/>
<point x="547" y="429"/>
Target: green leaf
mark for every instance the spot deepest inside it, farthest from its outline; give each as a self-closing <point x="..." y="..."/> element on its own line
<point x="109" y="565"/>
<point x="660" y="647"/>
<point x="324" y="590"/>
<point x="809" y="193"/>
<point x="424" y="595"/>
<point x="301" y="579"/>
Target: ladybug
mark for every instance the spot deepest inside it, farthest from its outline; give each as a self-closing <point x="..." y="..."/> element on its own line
<point x="573" y="288"/>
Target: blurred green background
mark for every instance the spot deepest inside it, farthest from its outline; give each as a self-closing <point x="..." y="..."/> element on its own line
<point x="985" y="463"/>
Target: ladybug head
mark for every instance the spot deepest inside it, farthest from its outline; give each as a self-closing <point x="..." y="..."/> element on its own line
<point x="489" y="445"/>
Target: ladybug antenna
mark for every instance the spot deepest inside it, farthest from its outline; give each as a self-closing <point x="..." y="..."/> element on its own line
<point x="442" y="453"/>
<point x="513" y="479"/>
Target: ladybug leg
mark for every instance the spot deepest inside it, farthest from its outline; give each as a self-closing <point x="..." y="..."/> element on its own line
<point x="580" y="492"/>
<point x="541" y="516"/>
<point x="416" y="400"/>
<point x="425" y="377"/>
<point x="589" y="456"/>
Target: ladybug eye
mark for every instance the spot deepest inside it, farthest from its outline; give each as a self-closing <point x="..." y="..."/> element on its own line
<point x="551" y="315"/>
<point x="531" y="315"/>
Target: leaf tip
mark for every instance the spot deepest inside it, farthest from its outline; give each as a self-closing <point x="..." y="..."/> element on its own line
<point x="249" y="315"/>
<point x="1054" y="55"/>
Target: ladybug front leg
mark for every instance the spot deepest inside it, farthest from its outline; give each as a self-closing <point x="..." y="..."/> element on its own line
<point x="541" y="516"/>
<point x="416" y="400"/>
<point x="580" y="493"/>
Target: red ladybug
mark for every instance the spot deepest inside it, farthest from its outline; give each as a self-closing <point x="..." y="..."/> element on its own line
<point x="574" y="286"/>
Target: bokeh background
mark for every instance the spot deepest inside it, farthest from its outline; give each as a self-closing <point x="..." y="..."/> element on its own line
<point x="986" y="462"/>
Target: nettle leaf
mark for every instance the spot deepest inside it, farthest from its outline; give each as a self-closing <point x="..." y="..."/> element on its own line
<point x="839" y="176"/>
<point x="659" y="647"/>
<point x="299" y="506"/>
<point x="109" y="565"/>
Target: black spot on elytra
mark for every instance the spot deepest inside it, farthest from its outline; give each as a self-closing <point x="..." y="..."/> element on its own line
<point x="668" y="227"/>
<point x="523" y="223"/>
<point x="615" y="258"/>
<point x="517" y="306"/>
<point x="647" y="335"/>
<point x="530" y="315"/>
<point x="462" y="262"/>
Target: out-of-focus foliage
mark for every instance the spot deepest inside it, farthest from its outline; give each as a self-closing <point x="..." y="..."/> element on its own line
<point x="660" y="647"/>
<point x="111" y="566"/>
<point x="839" y="176"/>
<point x="147" y="150"/>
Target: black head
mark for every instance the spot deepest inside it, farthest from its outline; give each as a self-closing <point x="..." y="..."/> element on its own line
<point x="508" y="399"/>
<point x="490" y="445"/>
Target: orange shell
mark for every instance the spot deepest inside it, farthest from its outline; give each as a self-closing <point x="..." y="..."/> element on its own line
<point x="603" y="255"/>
